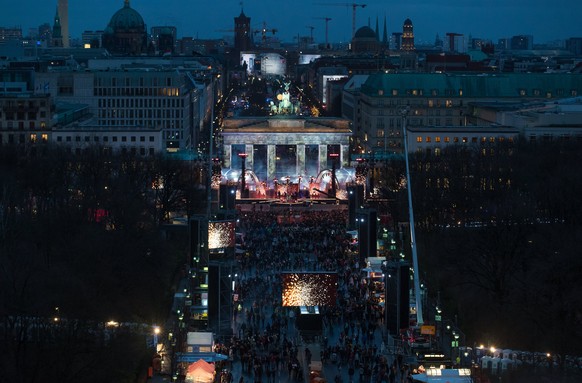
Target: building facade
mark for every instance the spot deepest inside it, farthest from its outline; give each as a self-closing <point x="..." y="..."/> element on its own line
<point x="407" y="36"/>
<point x="278" y="148"/>
<point x="143" y="97"/>
<point x="135" y="141"/>
<point x="25" y="119"/>
<point x="438" y="100"/>
<point x="242" y="32"/>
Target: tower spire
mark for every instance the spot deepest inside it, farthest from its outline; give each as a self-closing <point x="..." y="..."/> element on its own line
<point x="57" y="40"/>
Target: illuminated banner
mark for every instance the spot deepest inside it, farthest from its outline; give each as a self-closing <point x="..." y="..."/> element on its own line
<point x="428" y="330"/>
<point x="309" y="289"/>
<point x="221" y="234"/>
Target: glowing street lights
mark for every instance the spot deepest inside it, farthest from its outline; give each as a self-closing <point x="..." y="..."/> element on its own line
<point x="156" y="331"/>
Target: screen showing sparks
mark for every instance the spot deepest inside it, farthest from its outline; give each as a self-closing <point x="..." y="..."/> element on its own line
<point x="309" y="289"/>
<point x="220" y="234"/>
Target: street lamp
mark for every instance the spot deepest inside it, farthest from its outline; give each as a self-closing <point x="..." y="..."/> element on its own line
<point x="156" y="333"/>
<point x="417" y="297"/>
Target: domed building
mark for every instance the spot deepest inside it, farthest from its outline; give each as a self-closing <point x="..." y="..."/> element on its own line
<point x="365" y="41"/>
<point x="126" y="32"/>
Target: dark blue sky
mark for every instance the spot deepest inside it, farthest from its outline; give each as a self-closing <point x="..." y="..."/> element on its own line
<point x="493" y="19"/>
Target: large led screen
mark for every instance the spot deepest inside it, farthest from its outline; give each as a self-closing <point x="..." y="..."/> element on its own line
<point x="309" y="289"/>
<point x="221" y="234"/>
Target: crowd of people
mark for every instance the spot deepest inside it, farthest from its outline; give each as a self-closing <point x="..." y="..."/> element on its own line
<point x="266" y="341"/>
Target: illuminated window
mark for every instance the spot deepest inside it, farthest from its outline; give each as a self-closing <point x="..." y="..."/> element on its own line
<point x="427" y="139"/>
<point x="33" y="138"/>
<point x="394" y="92"/>
<point x="44" y="137"/>
<point x="418" y="139"/>
<point x="523" y="92"/>
<point x="430" y="103"/>
<point x="461" y="92"/>
<point x="456" y="139"/>
<point x="447" y="140"/>
<point x="449" y="103"/>
<point x="465" y="140"/>
<point x="437" y="139"/>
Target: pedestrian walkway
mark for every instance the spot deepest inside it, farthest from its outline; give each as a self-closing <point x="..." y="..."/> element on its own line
<point x="346" y="342"/>
<point x="331" y="369"/>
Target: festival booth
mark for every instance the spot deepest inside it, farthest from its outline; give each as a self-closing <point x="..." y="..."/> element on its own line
<point x="434" y="375"/>
<point x="200" y="372"/>
<point x="200" y="360"/>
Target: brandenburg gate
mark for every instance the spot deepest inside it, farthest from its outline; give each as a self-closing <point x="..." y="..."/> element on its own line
<point x="281" y="147"/>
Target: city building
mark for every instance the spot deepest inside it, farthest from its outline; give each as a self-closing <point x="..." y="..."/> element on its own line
<point x="14" y="33"/>
<point x="365" y="40"/>
<point x="44" y="33"/>
<point x="164" y="39"/>
<point x="126" y="33"/>
<point x="242" y="32"/>
<point x="25" y="117"/>
<point x="574" y="45"/>
<point x="456" y="42"/>
<point x="407" y="36"/>
<point x="174" y="95"/>
<point x="536" y="120"/>
<point x="92" y="39"/>
<point x="435" y="139"/>
<point x="437" y="100"/>
<point x="396" y="41"/>
<point x="521" y="42"/>
<point x="498" y="122"/>
<point x="135" y="140"/>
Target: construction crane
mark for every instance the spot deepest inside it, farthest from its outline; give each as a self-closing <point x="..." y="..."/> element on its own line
<point x="327" y="19"/>
<point x="354" y="6"/>
<point x="311" y="28"/>
<point x="263" y="31"/>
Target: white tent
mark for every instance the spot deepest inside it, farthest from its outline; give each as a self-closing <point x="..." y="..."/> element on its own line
<point x="433" y="375"/>
<point x="200" y="372"/>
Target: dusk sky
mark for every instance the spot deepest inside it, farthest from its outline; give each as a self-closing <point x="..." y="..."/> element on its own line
<point x="489" y="19"/>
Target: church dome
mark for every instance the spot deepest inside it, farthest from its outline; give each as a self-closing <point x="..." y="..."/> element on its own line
<point x="126" y="18"/>
<point x="365" y="33"/>
<point x="408" y="22"/>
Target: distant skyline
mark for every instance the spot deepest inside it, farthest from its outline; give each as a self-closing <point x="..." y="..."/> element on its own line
<point x="487" y="19"/>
